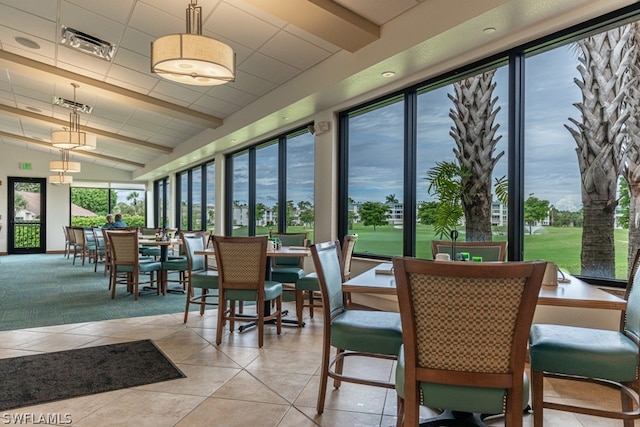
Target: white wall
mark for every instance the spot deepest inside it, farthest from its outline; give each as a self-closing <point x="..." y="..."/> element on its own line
<point x="58" y="203"/>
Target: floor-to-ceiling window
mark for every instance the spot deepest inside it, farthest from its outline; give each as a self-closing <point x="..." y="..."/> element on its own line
<point x="539" y="145"/>
<point x="196" y="197"/>
<point x="270" y="186"/>
<point x="162" y="195"/>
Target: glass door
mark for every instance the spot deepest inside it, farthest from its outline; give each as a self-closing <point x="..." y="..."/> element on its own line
<point x="27" y="216"/>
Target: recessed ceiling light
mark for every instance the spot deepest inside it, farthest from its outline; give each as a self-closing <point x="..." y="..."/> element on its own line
<point x="388" y="74"/>
<point x="27" y="42"/>
<point x="489" y="30"/>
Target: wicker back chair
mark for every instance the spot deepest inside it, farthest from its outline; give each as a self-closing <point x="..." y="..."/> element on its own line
<point x="465" y="327"/>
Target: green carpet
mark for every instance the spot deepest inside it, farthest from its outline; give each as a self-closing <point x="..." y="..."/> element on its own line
<point x="41" y="378"/>
<point x="43" y="290"/>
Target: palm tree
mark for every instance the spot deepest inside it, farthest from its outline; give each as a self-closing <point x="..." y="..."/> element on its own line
<point x="631" y="151"/>
<point x="599" y="136"/>
<point x="474" y="133"/>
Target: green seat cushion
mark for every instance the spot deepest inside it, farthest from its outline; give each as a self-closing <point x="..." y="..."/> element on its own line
<point x="286" y="274"/>
<point x="594" y="353"/>
<point x="272" y="290"/>
<point x="308" y="283"/>
<point x="482" y="400"/>
<point x="150" y="251"/>
<point x="175" y="264"/>
<point x="205" y="279"/>
<point x="143" y="267"/>
<point x="367" y="331"/>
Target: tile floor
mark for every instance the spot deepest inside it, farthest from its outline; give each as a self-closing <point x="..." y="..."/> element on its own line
<point x="234" y="384"/>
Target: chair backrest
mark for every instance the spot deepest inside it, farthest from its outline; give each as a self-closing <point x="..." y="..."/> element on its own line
<point x="192" y="242"/>
<point x="123" y="246"/>
<point x="79" y="238"/>
<point x="98" y="237"/>
<point x="242" y="262"/>
<point x="68" y="231"/>
<point x="489" y="251"/>
<point x="466" y="323"/>
<point x="290" y="239"/>
<point x="348" y="244"/>
<point x="630" y="319"/>
<point x="328" y="264"/>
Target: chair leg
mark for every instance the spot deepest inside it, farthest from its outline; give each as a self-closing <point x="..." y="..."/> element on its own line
<point x="338" y="367"/>
<point x="203" y="298"/>
<point x="400" y="412"/>
<point x="324" y="376"/>
<point x="260" y="311"/>
<point x="537" y="394"/>
<point x="279" y="318"/>
<point x="311" y="304"/>
<point x="186" y="309"/>
<point x="299" y="306"/>
<point x="627" y="401"/>
<point x="221" y="322"/>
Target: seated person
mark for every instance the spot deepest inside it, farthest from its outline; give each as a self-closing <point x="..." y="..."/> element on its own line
<point x="119" y="223"/>
<point x="109" y="223"/>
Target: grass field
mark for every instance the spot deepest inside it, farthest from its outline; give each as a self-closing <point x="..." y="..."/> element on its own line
<point x="560" y="245"/>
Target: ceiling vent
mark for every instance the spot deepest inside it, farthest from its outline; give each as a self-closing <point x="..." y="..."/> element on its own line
<point x="76" y="106"/>
<point x="85" y="43"/>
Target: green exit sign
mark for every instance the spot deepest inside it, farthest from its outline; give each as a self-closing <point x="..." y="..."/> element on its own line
<point x="25" y="165"/>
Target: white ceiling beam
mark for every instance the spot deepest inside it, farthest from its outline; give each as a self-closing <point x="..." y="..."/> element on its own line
<point x="325" y="19"/>
<point x="21" y="114"/>
<point x="57" y="75"/>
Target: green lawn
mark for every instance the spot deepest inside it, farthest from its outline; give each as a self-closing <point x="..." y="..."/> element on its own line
<point x="560" y="245"/>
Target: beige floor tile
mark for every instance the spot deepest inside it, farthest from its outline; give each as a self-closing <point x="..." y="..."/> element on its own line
<point x="332" y="418"/>
<point x="14" y="339"/>
<point x="301" y="362"/>
<point x="143" y="408"/>
<point x="287" y="385"/>
<point x="200" y="380"/>
<point x="245" y="386"/>
<point x="349" y="397"/>
<point x="213" y="356"/>
<point x="234" y="413"/>
<point x="296" y="418"/>
<point x="58" y="342"/>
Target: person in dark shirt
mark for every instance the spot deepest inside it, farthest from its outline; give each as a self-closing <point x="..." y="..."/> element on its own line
<point x="119" y="223"/>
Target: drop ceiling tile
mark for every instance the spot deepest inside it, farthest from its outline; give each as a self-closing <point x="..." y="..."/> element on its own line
<point x="30" y="24"/>
<point x="294" y="51"/>
<point x="115" y="10"/>
<point x="233" y="23"/>
<point x="269" y="69"/>
<point x="155" y="22"/>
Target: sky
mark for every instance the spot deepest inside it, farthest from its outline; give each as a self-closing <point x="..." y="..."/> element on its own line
<point x="551" y="167"/>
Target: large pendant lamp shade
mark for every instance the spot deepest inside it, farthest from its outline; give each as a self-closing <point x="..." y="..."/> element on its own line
<point x="72" y="138"/>
<point x="192" y="58"/>
<point x="64" y="166"/>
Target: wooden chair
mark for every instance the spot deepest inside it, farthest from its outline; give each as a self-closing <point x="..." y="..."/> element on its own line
<point x="242" y="263"/>
<point x="200" y="276"/>
<point x="100" y="248"/>
<point x="464" y="327"/>
<point x="125" y="263"/>
<point x="603" y="357"/>
<point x="67" y="241"/>
<point x="489" y="251"/>
<point x="288" y="269"/>
<point x="309" y="285"/>
<point x="354" y="333"/>
<point x="81" y="247"/>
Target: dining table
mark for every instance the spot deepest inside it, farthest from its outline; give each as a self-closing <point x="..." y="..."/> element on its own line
<point x="164" y="245"/>
<point x="283" y="251"/>
<point x="573" y="292"/>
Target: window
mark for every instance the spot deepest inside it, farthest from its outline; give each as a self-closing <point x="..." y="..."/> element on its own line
<point x="196" y="189"/>
<point x="90" y="205"/>
<point x="271" y="186"/>
<point x="558" y="179"/>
